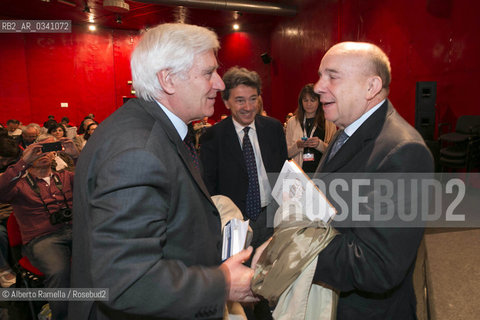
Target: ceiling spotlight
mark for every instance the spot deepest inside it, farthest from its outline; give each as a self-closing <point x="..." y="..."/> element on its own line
<point x="92" y="27"/>
<point x="236" y="26"/>
<point x="118" y="19"/>
<point x="86" y="9"/>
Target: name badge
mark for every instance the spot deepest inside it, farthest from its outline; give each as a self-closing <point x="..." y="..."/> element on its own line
<point x="308" y="157"/>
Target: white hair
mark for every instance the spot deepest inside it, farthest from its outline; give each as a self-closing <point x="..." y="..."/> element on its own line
<point x="45" y="136"/>
<point x="168" y="46"/>
<point x="36" y="126"/>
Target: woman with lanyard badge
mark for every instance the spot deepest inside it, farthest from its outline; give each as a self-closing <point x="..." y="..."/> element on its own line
<point x="308" y="133"/>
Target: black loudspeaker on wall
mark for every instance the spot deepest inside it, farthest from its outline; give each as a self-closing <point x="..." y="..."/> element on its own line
<point x="266" y="58"/>
<point x="425" y="98"/>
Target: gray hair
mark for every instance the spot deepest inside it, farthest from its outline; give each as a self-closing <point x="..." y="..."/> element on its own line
<point x="45" y="136"/>
<point x="168" y="46"/>
<point x="236" y="76"/>
<point x="34" y="126"/>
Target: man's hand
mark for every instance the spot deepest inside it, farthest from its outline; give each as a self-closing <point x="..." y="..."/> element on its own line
<point x="238" y="277"/>
<point x="258" y="253"/>
<point x="32" y="153"/>
<point x="70" y="147"/>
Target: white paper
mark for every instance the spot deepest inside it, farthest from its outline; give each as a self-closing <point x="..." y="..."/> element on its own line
<point x="234" y="237"/>
<point x="296" y="193"/>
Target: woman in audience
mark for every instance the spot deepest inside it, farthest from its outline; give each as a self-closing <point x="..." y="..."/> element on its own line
<point x="80" y="138"/>
<point x="308" y="133"/>
<point x="57" y="130"/>
<point x="90" y="129"/>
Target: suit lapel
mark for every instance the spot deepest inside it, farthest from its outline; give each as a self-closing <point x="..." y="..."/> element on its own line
<point x="262" y="136"/>
<point x="154" y="109"/>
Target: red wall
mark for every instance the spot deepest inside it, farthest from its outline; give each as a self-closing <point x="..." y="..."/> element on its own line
<point x="427" y="40"/>
<point x="87" y="70"/>
<point x="243" y="49"/>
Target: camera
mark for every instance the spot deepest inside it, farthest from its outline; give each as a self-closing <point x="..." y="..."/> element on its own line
<point x="49" y="147"/>
<point x="62" y="215"/>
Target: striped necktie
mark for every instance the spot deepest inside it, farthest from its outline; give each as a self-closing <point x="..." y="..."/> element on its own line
<point x="342" y="137"/>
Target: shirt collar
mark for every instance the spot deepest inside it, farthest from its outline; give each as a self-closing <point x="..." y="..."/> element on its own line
<point x="239" y="127"/>
<point x="357" y="123"/>
<point x="178" y="123"/>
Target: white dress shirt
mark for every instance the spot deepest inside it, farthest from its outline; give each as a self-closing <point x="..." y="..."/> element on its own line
<point x="264" y="184"/>
<point x="357" y="123"/>
<point x="178" y="123"/>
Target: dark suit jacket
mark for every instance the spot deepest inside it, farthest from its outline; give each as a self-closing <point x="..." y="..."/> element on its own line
<point x="372" y="266"/>
<point x="224" y="169"/>
<point x="144" y="224"/>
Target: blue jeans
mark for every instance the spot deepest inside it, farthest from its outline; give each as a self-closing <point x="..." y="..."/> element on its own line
<point x="51" y="254"/>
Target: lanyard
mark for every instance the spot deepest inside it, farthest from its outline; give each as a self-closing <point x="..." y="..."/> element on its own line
<point x="31" y="182"/>
<point x="305" y="128"/>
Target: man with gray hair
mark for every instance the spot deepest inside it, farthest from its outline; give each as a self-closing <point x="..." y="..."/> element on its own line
<point x="238" y="153"/>
<point x="146" y="227"/>
<point x="29" y="135"/>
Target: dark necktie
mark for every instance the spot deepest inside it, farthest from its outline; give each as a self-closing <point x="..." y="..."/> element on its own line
<point x="191" y="148"/>
<point x="253" y="205"/>
<point x="342" y="137"/>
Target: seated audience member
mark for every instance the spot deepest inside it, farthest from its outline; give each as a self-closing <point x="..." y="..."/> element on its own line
<point x="80" y="138"/>
<point x="308" y="133"/>
<point x="65" y="122"/>
<point x="90" y="129"/>
<point x="63" y="160"/>
<point x="12" y="127"/>
<point x="42" y="202"/>
<point x="29" y="135"/>
<point x="57" y="130"/>
<point x="50" y="122"/>
<point x="9" y="153"/>
<point x="199" y="128"/>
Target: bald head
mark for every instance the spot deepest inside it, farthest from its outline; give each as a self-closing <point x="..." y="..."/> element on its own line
<point x="372" y="58"/>
<point x="30" y="134"/>
<point x="353" y="78"/>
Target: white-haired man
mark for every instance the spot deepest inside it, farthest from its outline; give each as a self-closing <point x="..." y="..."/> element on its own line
<point x="29" y="135"/>
<point x="147" y="228"/>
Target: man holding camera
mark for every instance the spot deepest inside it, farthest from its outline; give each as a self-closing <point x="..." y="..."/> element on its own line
<point x="42" y="200"/>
